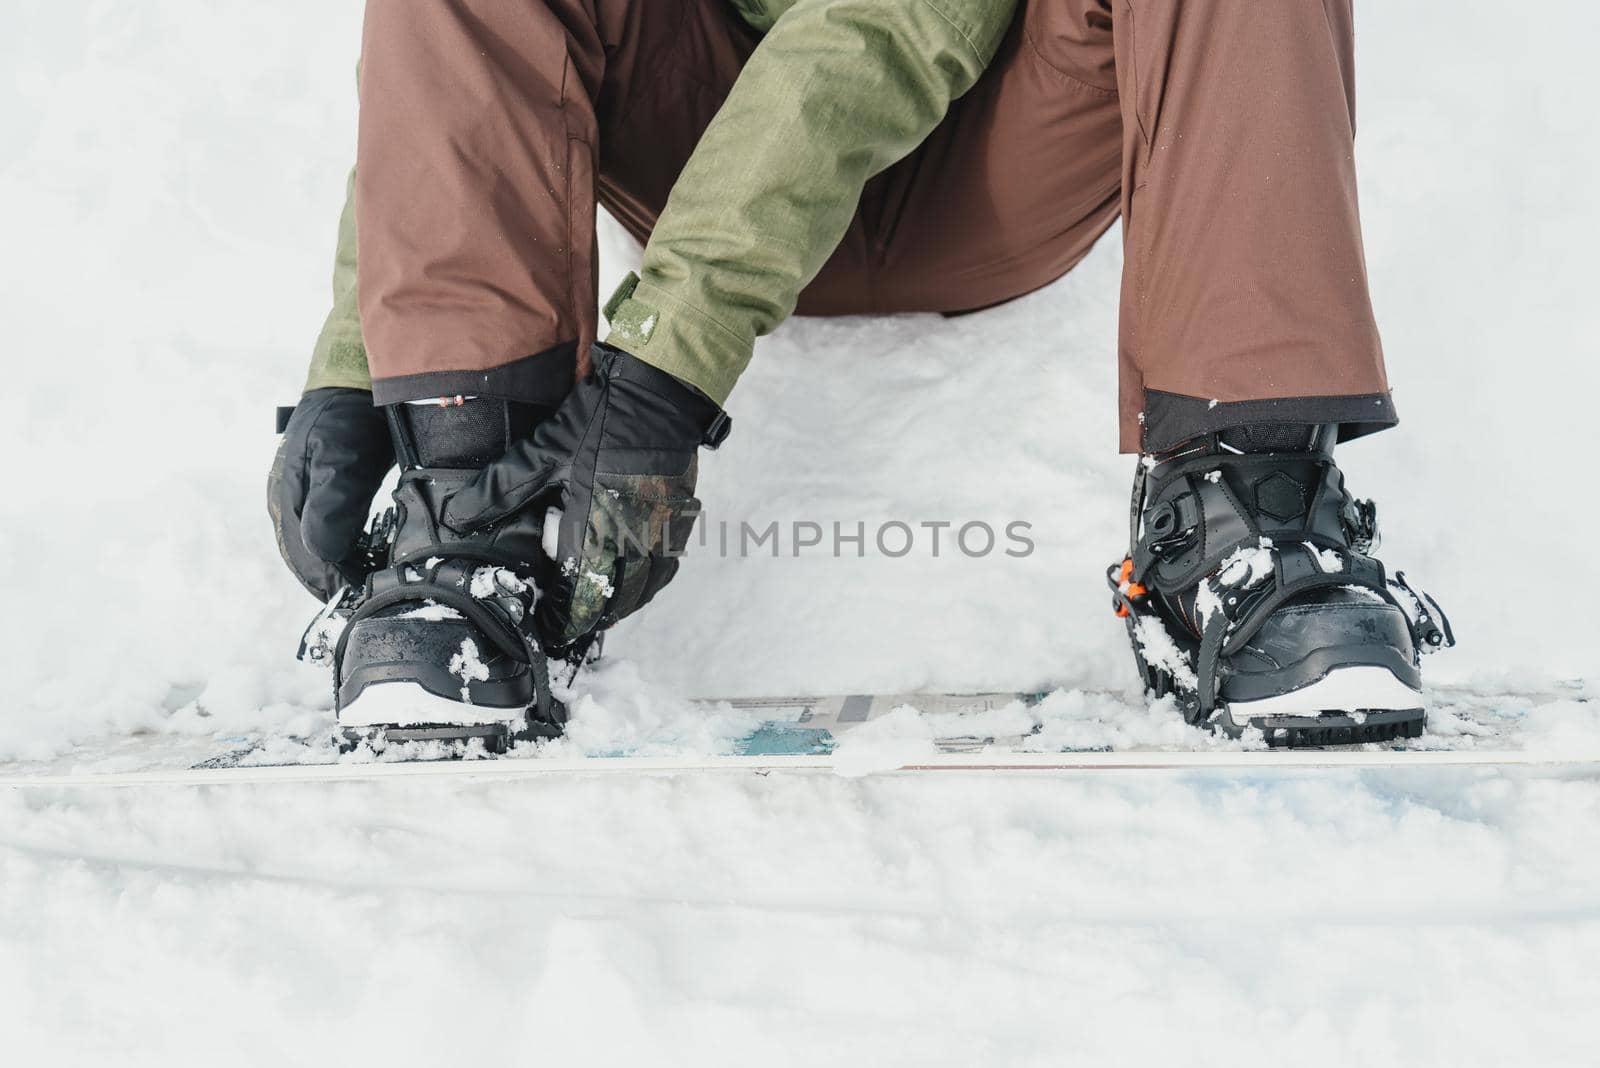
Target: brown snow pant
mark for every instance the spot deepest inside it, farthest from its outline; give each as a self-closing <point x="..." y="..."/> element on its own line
<point x="1219" y="130"/>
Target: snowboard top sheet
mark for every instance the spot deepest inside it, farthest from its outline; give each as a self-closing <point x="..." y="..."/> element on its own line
<point x="848" y="734"/>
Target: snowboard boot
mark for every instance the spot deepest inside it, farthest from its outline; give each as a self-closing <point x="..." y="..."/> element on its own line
<point x="1251" y="596"/>
<point x="440" y="643"/>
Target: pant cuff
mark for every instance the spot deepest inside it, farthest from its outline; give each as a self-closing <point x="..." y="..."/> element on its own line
<point x="543" y="378"/>
<point x="1172" y="418"/>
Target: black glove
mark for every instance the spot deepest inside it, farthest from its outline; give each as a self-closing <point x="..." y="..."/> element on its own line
<point x="618" y="460"/>
<point x="334" y="454"/>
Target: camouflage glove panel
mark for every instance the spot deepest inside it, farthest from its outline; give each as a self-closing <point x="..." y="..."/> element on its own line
<point x="618" y="460"/>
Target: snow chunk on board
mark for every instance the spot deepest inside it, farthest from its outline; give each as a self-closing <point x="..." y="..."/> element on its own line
<point x="891" y="741"/>
<point x="468" y="667"/>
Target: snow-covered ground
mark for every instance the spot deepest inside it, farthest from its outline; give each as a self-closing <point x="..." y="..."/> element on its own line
<point x="170" y="172"/>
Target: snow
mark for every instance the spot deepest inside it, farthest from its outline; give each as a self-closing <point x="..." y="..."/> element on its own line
<point x="600" y="582"/>
<point x="1247" y="566"/>
<point x="1243" y="569"/>
<point x="489" y="582"/>
<point x="1328" y="560"/>
<point x="1160" y="651"/>
<point x="550" y="532"/>
<point x="872" y="920"/>
<point x="468" y="666"/>
<point x="168" y="190"/>
<point x="431" y="612"/>
<point x="889" y="742"/>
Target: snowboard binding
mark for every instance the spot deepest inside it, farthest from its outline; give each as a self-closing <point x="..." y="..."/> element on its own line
<point x="1251" y="597"/>
<point x="438" y="644"/>
<point x="450" y="641"/>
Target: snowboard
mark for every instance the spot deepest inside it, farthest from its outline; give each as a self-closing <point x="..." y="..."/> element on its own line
<point x="856" y="734"/>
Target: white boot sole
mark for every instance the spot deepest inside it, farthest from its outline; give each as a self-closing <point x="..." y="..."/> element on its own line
<point x="405" y="704"/>
<point x="1350" y="690"/>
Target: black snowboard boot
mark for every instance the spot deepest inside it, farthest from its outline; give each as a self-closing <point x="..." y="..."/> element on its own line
<point x="1250" y="594"/>
<point x="440" y="644"/>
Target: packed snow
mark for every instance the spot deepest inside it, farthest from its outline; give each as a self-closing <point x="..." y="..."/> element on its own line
<point x="169" y="184"/>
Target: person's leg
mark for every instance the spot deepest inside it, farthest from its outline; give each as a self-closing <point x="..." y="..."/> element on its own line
<point x="486" y="128"/>
<point x="1223" y="134"/>
<point x="467" y="216"/>
<point x="476" y="184"/>
<point x="1223" y="131"/>
<point x="1248" y="349"/>
<point x="1244" y="296"/>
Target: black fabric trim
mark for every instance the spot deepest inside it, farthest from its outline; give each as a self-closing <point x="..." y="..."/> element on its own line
<point x="1173" y="418"/>
<point x="543" y="378"/>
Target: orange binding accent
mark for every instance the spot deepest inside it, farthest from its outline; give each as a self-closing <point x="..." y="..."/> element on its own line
<point x="1128" y="588"/>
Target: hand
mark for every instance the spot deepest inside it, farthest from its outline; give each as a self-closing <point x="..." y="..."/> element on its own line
<point x="618" y="460"/>
<point x="334" y="455"/>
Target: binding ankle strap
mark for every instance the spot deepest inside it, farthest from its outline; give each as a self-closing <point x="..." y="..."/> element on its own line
<point x="448" y="582"/>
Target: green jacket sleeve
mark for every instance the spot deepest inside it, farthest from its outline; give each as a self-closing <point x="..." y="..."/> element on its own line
<point x="759" y="15"/>
<point x="836" y="92"/>
<point x="340" y="357"/>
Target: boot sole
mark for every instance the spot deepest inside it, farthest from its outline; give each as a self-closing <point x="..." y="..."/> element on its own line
<point x="1349" y="705"/>
<point x="497" y="738"/>
<point x="394" y="712"/>
<point x="1342" y="728"/>
<point x="1355" y="705"/>
<point x="1344" y="688"/>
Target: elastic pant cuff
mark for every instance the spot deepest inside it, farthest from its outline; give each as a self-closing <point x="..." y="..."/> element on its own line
<point x="544" y="378"/>
<point x="1172" y="418"/>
